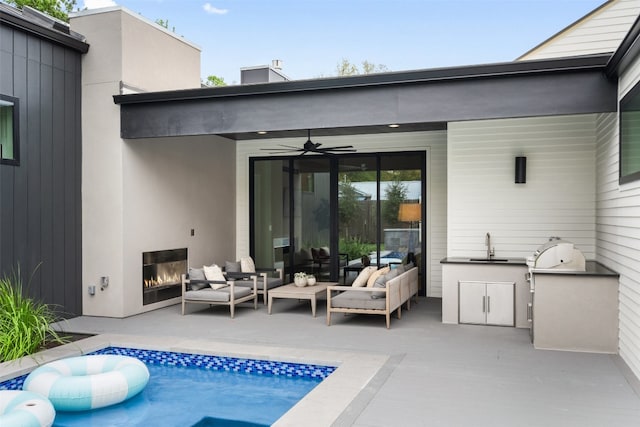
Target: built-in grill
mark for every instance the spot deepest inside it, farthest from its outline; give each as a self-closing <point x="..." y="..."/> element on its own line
<point x="556" y="255"/>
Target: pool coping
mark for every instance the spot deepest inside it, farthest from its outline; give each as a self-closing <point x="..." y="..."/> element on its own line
<point x="323" y="406"/>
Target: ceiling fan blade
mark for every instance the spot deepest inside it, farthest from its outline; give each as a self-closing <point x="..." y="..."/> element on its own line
<point x="341" y="147"/>
<point x="286" y="149"/>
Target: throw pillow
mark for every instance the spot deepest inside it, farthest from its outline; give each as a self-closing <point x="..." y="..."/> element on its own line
<point x="197" y="274"/>
<point x="324" y="252"/>
<point x="363" y="276"/>
<point x="247" y="265"/>
<point x="375" y="275"/>
<point x="232" y="266"/>
<point x="214" y="272"/>
<point x="381" y="282"/>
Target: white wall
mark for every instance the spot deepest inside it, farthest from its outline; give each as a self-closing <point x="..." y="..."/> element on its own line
<point x="599" y="32"/>
<point x="173" y="185"/>
<point x="434" y="143"/>
<point x="558" y="198"/>
<point x="126" y="47"/>
<point x="618" y="226"/>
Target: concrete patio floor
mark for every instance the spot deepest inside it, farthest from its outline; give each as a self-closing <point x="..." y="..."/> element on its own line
<point x="433" y="374"/>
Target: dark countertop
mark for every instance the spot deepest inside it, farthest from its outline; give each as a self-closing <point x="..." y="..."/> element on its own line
<point x="593" y="268"/>
<point x="481" y="261"/>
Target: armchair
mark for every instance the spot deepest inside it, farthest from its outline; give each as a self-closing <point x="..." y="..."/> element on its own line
<point x="197" y="289"/>
<point x="322" y="260"/>
<point x="244" y="273"/>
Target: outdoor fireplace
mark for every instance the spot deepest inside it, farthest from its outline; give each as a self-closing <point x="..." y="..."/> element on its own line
<point x="161" y="271"/>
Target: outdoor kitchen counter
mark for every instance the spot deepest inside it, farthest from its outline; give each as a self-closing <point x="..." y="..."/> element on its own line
<point x="479" y="261"/>
<point x="592" y="268"/>
<point x="461" y="269"/>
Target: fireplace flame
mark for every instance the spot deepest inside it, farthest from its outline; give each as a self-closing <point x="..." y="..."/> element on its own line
<point x="164" y="279"/>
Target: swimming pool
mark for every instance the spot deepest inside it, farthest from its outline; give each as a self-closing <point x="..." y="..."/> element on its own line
<point x="196" y="390"/>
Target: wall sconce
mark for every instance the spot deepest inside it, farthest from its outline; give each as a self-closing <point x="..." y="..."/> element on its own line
<point x="521" y="170"/>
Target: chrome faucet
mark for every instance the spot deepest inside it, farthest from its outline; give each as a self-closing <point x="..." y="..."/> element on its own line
<point x="487" y="241"/>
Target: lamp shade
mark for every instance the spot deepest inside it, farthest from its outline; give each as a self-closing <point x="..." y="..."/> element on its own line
<point x="409" y="212"/>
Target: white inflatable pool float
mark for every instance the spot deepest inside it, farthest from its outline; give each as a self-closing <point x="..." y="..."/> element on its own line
<point x="25" y="409"/>
<point x="88" y="382"/>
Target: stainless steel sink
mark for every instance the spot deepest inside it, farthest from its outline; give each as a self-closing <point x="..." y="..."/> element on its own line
<point x="488" y="259"/>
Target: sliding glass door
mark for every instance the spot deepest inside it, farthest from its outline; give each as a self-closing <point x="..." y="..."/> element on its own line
<point x="319" y="214"/>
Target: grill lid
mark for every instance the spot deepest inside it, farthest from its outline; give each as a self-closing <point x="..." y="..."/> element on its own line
<point x="558" y="254"/>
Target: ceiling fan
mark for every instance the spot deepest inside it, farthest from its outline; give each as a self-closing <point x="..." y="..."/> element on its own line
<point x="312" y="147"/>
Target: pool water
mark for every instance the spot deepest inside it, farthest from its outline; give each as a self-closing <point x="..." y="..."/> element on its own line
<point x="200" y="390"/>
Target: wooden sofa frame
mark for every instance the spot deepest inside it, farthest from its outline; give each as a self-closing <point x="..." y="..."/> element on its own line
<point x="398" y="291"/>
<point x="232" y="302"/>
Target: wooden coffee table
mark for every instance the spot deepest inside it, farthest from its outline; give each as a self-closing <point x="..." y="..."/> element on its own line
<point x="291" y="291"/>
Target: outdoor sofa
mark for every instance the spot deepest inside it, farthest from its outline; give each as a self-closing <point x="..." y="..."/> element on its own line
<point x="384" y="295"/>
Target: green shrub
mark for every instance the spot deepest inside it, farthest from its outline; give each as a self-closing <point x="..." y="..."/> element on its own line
<point x="355" y="248"/>
<point x="25" y="324"/>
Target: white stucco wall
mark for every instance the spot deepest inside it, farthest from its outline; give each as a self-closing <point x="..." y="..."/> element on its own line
<point x="126" y="48"/>
<point x="170" y="186"/>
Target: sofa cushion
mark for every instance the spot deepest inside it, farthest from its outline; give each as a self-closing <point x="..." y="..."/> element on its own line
<point x="381" y="282"/>
<point x="305" y="254"/>
<point x="232" y="266"/>
<point x="213" y="272"/>
<point x="220" y="295"/>
<point x="358" y="299"/>
<point x="399" y="268"/>
<point x="274" y="282"/>
<point x="197" y="274"/>
<point x="324" y="252"/>
<point x="375" y="275"/>
<point x="363" y="276"/>
<point x="247" y="265"/>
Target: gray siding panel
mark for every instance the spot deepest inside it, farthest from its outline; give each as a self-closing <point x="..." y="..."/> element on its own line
<point x="40" y="199"/>
<point x="533" y="95"/>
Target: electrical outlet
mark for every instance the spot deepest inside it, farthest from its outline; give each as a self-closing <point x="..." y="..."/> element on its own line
<point x="104" y="281"/>
<point x="92" y="289"/>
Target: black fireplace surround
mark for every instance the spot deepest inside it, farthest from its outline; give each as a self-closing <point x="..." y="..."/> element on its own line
<point x="161" y="271"/>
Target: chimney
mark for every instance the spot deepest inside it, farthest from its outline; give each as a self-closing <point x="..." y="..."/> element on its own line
<point x="276" y="64"/>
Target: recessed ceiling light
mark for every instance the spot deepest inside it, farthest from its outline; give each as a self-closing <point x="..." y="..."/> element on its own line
<point x="262" y="132"/>
<point x="394" y="126"/>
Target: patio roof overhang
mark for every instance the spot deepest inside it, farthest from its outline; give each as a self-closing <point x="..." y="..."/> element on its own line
<point x="417" y="100"/>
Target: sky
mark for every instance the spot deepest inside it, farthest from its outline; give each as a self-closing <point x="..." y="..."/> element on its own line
<point x="311" y="37"/>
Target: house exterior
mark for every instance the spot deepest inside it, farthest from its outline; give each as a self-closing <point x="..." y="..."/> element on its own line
<point x="167" y="164"/>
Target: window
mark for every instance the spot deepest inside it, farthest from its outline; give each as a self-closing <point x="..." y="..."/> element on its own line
<point x="630" y="136"/>
<point x="9" y="141"/>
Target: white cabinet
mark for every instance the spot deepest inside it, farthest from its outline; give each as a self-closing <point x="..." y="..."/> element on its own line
<point x="487" y="303"/>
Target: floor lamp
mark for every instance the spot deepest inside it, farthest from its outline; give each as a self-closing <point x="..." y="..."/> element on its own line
<point x="410" y="212"/>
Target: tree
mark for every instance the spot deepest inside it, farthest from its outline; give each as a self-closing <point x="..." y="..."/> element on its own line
<point x="348" y="206"/>
<point x="59" y="9"/>
<point x="165" y="23"/>
<point x="214" y="81"/>
<point x="346" y="68"/>
<point x="395" y="194"/>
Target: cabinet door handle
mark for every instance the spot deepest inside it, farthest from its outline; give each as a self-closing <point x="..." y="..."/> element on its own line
<point x="488" y="304"/>
<point x="484" y="304"/>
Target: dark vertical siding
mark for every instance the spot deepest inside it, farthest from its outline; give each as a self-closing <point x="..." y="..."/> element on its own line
<point x="40" y="200"/>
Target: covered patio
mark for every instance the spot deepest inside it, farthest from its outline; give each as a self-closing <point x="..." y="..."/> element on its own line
<point x="428" y="373"/>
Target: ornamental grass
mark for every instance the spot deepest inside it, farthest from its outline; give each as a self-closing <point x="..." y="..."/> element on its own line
<point x="25" y="324"/>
